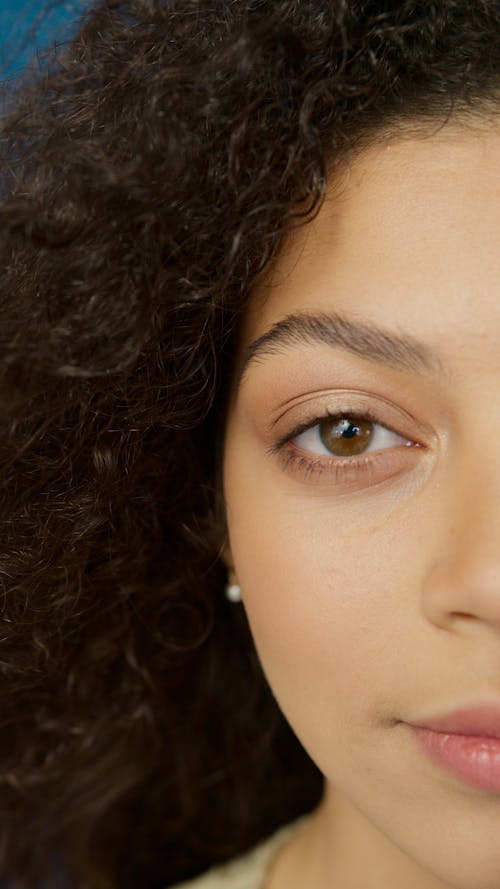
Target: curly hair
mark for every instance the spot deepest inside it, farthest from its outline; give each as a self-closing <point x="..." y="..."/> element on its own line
<point x="150" y="170"/>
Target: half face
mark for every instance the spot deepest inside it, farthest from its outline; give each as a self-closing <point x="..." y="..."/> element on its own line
<point x="362" y="488"/>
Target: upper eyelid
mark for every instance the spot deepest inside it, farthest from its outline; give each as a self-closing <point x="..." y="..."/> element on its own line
<point x="351" y="414"/>
<point x="354" y="401"/>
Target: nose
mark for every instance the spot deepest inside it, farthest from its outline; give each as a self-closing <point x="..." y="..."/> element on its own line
<point x="464" y="585"/>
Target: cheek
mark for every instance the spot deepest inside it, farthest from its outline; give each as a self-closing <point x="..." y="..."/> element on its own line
<point x="322" y="592"/>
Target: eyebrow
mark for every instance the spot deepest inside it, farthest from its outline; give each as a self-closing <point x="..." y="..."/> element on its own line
<point x="401" y="352"/>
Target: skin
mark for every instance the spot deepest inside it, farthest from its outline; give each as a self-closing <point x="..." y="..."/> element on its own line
<point x="376" y="601"/>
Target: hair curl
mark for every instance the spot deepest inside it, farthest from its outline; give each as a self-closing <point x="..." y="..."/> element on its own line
<point x="150" y="171"/>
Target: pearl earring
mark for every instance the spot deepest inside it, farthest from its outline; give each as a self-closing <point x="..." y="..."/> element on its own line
<point x="233" y="591"/>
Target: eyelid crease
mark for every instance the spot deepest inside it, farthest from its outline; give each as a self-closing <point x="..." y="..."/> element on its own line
<point x="353" y="402"/>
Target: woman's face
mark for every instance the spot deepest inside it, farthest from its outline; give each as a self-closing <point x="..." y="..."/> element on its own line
<point x="369" y="556"/>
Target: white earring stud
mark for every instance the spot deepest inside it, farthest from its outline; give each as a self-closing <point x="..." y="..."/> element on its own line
<point x="233" y="592"/>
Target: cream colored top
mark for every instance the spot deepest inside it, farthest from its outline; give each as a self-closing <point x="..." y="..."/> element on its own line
<point x="247" y="871"/>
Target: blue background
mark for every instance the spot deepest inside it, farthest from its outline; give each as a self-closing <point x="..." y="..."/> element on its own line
<point x="28" y="25"/>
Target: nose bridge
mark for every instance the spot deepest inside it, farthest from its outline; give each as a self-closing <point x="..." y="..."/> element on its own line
<point x="478" y="515"/>
<point x="476" y="487"/>
<point x="464" y="582"/>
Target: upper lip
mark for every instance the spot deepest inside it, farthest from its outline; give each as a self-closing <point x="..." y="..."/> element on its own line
<point x="481" y="720"/>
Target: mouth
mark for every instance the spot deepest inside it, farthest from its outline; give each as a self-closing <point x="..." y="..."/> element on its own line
<point x="479" y="720"/>
<point x="465" y="742"/>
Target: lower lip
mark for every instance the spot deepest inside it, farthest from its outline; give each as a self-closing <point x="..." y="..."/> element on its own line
<point x="475" y="760"/>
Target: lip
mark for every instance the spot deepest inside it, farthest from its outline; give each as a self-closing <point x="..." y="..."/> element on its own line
<point x="480" y="720"/>
<point x="466" y="743"/>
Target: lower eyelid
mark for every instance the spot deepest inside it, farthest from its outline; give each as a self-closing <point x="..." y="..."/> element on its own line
<point x="362" y="472"/>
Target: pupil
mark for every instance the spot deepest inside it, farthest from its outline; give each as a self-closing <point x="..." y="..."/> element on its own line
<point x="345" y="437"/>
<point x="350" y="434"/>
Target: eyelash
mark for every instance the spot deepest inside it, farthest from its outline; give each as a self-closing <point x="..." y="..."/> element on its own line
<point x="339" y="467"/>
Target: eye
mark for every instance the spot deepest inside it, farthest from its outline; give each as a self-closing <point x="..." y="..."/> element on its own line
<point x="345" y="435"/>
<point x="347" y="447"/>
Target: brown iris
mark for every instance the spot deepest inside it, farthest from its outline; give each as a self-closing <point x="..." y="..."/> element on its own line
<point x="345" y="436"/>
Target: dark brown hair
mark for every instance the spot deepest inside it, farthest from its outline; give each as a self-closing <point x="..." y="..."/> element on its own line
<point x="149" y="172"/>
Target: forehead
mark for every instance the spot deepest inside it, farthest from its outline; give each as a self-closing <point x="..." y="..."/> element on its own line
<point x="408" y="228"/>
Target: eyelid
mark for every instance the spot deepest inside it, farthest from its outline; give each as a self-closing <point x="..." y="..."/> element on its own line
<point x="362" y="471"/>
<point x="353" y="401"/>
<point x="316" y="421"/>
